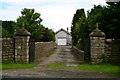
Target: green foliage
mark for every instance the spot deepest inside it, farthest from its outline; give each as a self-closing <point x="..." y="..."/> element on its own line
<point x="8" y="29"/>
<point x="107" y="68"/>
<point x="48" y="35"/>
<point x="110" y="69"/>
<point x="76" y="23"/>
<point x="15" y="65"/>
<point x="79" y="28"/>
<point x="37" y="34"/>
<point x="94" y="16"/>
<point x="30" y="19"/>
<point x="5" y="33"/>
<point x="32" y="22"/>
<point x="80" y="44"/>
<point x="106" y="16"/>
<point x="108" y="19"/>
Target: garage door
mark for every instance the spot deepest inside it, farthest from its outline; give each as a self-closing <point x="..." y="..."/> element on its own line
<point x="61" y="41"/>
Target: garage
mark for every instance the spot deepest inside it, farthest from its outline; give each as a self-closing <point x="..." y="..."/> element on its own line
<point x="62" y="41"/>
<point x="63" y="37"/>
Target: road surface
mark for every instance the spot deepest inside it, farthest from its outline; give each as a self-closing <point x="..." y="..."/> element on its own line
<point x="61" y="55"/>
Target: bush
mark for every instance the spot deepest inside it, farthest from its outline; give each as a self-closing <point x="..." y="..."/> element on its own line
<point x="80" y="44"/>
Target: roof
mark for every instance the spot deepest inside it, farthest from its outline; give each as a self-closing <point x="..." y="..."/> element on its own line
<point x="63" y="30"/>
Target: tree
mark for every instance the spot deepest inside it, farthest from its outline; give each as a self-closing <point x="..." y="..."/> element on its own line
<point x="8" y="28"/>
<point x="79" y="28"/>
<point x="108" y="19"/>
<point x="31" y="21"/>
<point x="30" y="18"/>
<point x="48" y="35"/>
<point x="5" y="33"/>
<point x="75" y="25"/>
<point x="112" y="25"/>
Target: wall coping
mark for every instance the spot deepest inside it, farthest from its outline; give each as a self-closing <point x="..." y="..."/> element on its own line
<point x="78" y="49"/>
<point x="22" y="32"/>
<point x="44" y="42"/>
<point x="97" y="33"/>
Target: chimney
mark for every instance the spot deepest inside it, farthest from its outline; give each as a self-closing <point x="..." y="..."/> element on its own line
<point x="67" y="29"/>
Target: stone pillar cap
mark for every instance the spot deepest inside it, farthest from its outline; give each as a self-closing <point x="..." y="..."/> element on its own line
<point x="22" y="32"/>
<point x="97" y="33"/>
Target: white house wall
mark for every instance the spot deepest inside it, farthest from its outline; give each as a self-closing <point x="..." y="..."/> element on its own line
<point x="64" y="35"/>
<point x="60" y="34"/>
<point x="70" y="40"/>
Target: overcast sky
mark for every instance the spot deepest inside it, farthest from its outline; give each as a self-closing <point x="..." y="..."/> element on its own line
<point x="56" y="14"/>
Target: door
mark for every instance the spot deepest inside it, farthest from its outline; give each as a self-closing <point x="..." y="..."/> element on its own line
<point x="61" y="41"/>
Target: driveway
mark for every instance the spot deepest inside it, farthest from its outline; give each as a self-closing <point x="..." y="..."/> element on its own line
<point x="62" y="55"/>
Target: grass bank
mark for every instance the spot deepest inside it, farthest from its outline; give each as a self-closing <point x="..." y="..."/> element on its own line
<point x="15" y="65"/>
<point x="110" y="69"/>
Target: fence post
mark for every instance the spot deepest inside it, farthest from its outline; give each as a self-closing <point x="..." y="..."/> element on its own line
<point x="97" y="45"/>
<point x="22" y="37"/>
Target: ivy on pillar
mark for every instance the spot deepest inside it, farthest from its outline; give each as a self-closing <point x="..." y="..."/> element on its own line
<point x="22" y="37"/>
<point x="97" y="45"/>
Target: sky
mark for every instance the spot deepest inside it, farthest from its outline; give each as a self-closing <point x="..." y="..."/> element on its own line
<point x="56" y="14"/>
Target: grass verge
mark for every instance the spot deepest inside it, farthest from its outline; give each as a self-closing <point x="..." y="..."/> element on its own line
<point x="56" y="66"/>
<point x="14" y="65"/>
<point x="110" y="69"/>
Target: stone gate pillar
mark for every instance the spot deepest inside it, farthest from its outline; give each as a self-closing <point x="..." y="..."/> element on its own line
<point x="97" y="45"/>
<point x="22" y="37"/>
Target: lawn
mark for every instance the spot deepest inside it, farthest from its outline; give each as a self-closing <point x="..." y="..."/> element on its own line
<point x="106" y="68"/>
<point x="14" y="65"/>
<point x="112" y="70"/>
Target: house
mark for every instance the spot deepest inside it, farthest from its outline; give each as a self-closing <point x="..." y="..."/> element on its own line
<point x="63" y="37"/>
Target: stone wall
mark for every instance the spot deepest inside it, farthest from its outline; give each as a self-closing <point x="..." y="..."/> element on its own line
<point x="22" y="49"/>
<point x="79" y="54"/>
<point x="8" y="49"/>
<point x="97" y="45"/>
<point x="22" y="37"/>
<point x="41" y="49"/>
<point x="108" y="50"/>
<point x="112" y="51"/>
<point x="37" y="50"/>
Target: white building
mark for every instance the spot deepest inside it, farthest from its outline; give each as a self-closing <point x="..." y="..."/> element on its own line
<point x="63" y="37"/>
